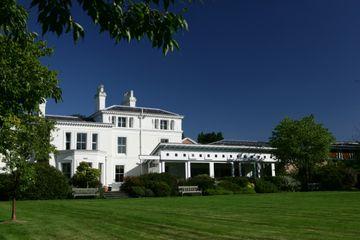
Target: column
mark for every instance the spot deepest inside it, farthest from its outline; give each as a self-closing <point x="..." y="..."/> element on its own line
<point x="240" y="174"/>
<point x="211" y="169"/>
<point x="232" y="169"/>
<point x="273" y="170"/>
<point x="160" y="167"/>
<point x="163" y="166"/>
<point x="258" y="170"/>
<point x="187" y="170"/>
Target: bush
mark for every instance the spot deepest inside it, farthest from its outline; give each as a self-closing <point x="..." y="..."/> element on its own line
<point x="204" y="182"/>
<point x="285" y="183"/>
<point x="86" y="177"/>
<point x="263" y="186"/>
<point x="130" y="182"/>
<point x="241" y="181"/>
<point x="49" y="183"/>
<point x="160" y="188"/>
<point x="137" y="191"/>
<point x="218" y="191"/>
<point x="227" y="185"/>
<point x="150" y="185"/>
<point x="167" y="178"/>
<point x="5" y="187"/>
<point x="335" y="177"/>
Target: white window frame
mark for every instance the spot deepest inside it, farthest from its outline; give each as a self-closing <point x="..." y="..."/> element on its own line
<point x="164" y="126"/>
<point x="81" y="141"/>
<point x="67" y="141"/>
<point x="131" y="122"/>
<point x="122" y="122"/>
<point x="96" y="142"/>
<point x="156" y="124"/>
<point x="121" y="174"/>
<point x="121" y="145"/>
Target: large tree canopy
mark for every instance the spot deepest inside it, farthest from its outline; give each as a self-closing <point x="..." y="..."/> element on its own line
<point x="301" y="143"/>
<point x="157" y="20"/>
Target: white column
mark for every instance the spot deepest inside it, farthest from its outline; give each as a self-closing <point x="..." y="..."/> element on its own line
<point x="240" y="169"/>
<point x="187" y="170"/>
<point x="273" y="170"/>
<point x="259" y="170"/>
<point x="211" y="170"/>
<point x="232" y="169"/>
<point x="162" y="167"/>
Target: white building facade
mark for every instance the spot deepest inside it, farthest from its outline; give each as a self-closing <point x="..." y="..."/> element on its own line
<point x="127" y="140"/>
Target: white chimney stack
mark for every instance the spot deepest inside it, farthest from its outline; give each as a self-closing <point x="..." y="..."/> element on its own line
<point x="129" y="99"/>
<point x="100" y="98"/>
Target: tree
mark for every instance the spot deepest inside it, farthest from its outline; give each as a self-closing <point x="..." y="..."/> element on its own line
<point x="24" y="84"/>
<point x="157" y="20"/>
<point x="303" y="144"/>
<point x="205" y="138"/>
<point x="86" y="176"/>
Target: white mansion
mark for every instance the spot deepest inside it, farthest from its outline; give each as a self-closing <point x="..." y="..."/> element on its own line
<point x="123" y="140"/>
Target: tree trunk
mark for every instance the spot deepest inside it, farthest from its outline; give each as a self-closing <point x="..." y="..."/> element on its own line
<point x="13" y="209"/>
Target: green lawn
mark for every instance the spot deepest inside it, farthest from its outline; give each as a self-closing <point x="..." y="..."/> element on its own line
<point x="317" y="215"/>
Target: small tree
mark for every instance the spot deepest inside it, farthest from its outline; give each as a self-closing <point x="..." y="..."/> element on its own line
<point x="86" y="176"/>
<point x="303" y="144"/>
<point x="205" y="138"/>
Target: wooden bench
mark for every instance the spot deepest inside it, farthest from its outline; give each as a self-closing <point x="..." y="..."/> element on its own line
<point x="85" y="192"/>
<point x="189" y="189"/>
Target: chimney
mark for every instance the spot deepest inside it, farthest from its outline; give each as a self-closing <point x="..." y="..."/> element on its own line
<point x="129" y="99"/>
<point x="100" y="98"/>
<point x="42" y="108"/>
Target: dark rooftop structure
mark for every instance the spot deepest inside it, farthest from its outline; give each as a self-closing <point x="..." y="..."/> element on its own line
<point x="145" y="110"/>
<point x="241" y="143"/>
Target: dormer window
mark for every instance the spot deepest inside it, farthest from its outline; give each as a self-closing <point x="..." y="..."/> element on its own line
<point x="122" y="122"/>
<point x="164" y="124"/>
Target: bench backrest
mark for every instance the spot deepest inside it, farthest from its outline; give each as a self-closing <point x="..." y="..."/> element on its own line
<point x="85" y="190"/>
<point x="188" y="188"/>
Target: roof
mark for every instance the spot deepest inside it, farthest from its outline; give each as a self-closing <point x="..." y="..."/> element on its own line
<point x="145" y="110"/>
<point x="340" y="146"/>
<point x="188" y="140"/>
<point x="241" y="143"/>
<point x="69" y="118"/>
<point x="209" y="147"/>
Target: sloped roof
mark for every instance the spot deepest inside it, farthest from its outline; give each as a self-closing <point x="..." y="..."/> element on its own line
<point x="156" y="111"/>
<point x="69" y="118"/>
<point x="241" y="143"/>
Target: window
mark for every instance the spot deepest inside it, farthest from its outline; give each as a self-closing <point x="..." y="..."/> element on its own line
<point x="131" y="122"/>
<point x="164" y="140"/>
<point x="200" y="155"/>
<point x="121" y="121"/>
<point x="156" y="124"/>
<point x="216" y="155"/>
<point x="67" y="141"/>
<point x="164" y="124"/>
<point x="176" y="154"/>
<point x="119" y="173"/>
<point x="223" y="156"/>
<point x="113" y="120"/>
<point x="81" y="141"/>
<point x="167" y="154"/>
<point x="66" y="169"/>
<point x="172" y="124"/>
<point x="94" y="141"/>
<point x="208" y="155"/>
<point x="184" y="155"/>
<point x="122" y="145"/>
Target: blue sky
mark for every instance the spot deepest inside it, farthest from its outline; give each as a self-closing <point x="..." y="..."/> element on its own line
<point x="243" y="67"/>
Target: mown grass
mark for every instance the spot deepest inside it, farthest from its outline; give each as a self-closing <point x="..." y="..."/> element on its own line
<point x="316" y="215"/>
